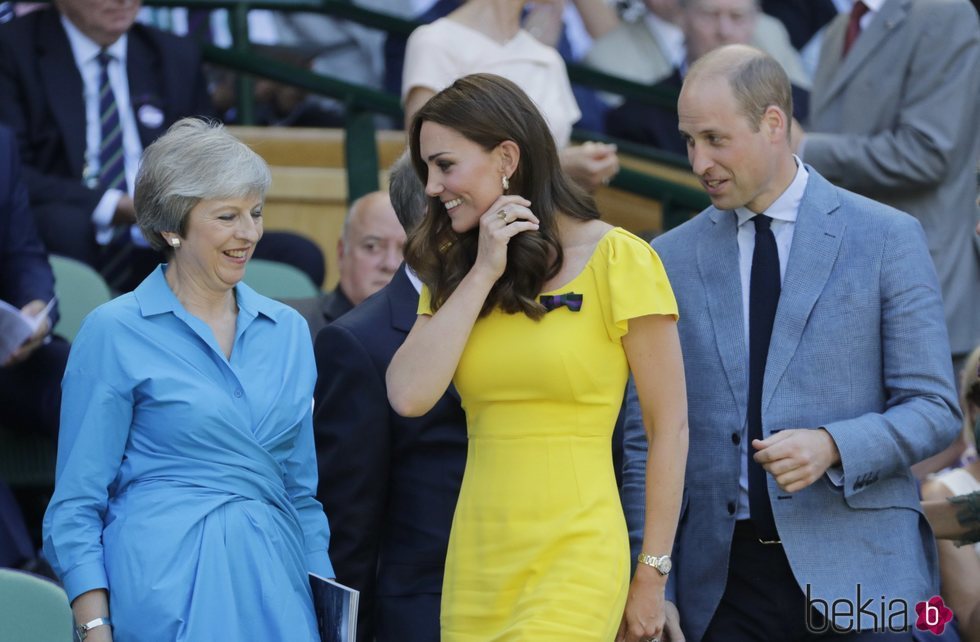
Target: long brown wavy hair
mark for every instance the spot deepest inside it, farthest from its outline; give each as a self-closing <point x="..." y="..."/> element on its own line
<point x="488" y="110"/>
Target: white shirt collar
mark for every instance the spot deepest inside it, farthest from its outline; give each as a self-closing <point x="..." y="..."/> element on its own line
<point x="85" y="49"/>
<point x="874" y="5"/>
<point x="414" y="278"/>
<point x="787" y="205"/>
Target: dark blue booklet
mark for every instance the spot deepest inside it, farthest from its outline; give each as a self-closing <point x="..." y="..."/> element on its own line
<point x="336" y="609"/>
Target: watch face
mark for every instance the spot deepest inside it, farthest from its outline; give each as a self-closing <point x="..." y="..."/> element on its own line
<point x="664" y="565"/>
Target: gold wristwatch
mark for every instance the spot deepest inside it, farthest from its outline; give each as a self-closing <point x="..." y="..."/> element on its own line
<point x="661" y="563"/>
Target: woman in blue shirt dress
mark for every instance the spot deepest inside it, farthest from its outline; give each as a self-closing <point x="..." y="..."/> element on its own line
<point x="184" y="504"/>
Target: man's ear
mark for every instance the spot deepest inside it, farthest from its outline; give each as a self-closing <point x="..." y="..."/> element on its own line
<point x="776" y="123"/>
<point x="510" y="157"/>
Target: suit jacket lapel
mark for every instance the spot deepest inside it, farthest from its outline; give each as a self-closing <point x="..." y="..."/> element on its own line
<point x="816" y="243"/>
<point x="718" y="266"/>
<point x="892" y="14"/>
<point x="404" y="301"/>
<point x="145" y="86"/>
<point x="63" y="84"/>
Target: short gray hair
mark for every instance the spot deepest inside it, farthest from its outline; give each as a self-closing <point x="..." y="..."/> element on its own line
<point x="407" y="193"/>
<point x="195" y="160"/>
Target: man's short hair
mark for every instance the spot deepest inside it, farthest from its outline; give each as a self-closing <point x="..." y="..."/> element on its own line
<point x="407" y="192"/>
<point x="757" y="81"/>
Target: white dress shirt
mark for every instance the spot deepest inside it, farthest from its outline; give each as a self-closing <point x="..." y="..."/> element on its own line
<point x="414" y="279"/>
<point x="783" y="213"/>
<point x="874" y="6"/>
<point x="86" y="53"/>
<point x="669" y="37"/>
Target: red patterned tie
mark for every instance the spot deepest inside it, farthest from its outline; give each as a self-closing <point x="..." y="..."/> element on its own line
<point x="854" y="25"/>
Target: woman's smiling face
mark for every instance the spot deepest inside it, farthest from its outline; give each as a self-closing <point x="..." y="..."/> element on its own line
<point x="220" y="239"/>
<point x="462" y="174"/>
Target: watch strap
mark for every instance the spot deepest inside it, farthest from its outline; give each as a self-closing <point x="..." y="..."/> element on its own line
<point x="660" y="562"/>
<point x="81" y="630"/>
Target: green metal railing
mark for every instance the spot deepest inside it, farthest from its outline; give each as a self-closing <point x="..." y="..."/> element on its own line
<point x="362" y="103"/>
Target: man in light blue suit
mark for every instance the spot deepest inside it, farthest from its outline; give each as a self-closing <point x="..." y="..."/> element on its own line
<point x="818" y="371"/>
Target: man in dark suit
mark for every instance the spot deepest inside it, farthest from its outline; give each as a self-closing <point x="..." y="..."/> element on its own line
<point x="30" y="379"/>
<point x="369" y="252"/>
<point x="388" y="484"/>
<point x="53" y="66"/>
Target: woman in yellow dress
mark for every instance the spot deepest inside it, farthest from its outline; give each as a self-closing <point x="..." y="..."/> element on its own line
<point x="538" y="312"/>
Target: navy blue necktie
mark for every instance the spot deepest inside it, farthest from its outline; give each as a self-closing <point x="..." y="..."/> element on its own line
<point x="114" y="267"/>
<point x="6" y="12"/>
<point x="112" y="166"/>
<point x="764" y="288"/>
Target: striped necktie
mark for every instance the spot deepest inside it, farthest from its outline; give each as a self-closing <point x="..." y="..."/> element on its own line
<point x="112" y="167"/>
<point x="6" y="12"/>
<point x="114" y="267"/>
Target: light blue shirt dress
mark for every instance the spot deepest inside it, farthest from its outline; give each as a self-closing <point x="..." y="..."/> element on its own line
<point x="185" y="480"/>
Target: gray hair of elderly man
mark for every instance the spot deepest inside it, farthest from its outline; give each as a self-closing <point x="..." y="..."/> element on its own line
<point x="195" y="160"/>
<point x="407" y="193"/>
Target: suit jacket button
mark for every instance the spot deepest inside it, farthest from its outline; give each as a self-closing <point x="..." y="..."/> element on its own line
<point x="736" y="438"/>
<point x="731" y="508"/>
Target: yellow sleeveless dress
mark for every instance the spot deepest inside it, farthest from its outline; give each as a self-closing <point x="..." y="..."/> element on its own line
<point x="539" y="549"/>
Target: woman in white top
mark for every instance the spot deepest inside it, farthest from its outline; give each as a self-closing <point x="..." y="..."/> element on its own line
<point x="486" y="36"/>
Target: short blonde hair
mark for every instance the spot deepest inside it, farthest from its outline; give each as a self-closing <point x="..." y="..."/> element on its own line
<point x="757" y="81"/>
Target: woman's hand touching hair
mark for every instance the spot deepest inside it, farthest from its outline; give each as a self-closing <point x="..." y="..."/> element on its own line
<point x="507" y="217"/>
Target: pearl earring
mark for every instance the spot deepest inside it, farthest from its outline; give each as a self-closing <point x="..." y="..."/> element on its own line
<point x="175" y="242"/>
<point x="505" y="182"/>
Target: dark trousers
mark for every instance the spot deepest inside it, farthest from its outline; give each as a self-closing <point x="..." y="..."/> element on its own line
<point x="407" y="618"/>
<point x="15" y="543"/>
<point x="763" y="603"/>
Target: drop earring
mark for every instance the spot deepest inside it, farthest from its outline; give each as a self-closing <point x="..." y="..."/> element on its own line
<point x="505" y="182"/>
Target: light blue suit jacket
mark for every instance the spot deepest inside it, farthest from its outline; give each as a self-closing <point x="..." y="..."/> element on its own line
<point x="859" y="347"/>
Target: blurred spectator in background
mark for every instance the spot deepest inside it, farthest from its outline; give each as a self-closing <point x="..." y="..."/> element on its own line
<point x="486" y="36"/>
<point x="30" y="379"/>
<point x="959" y="566"/>
<point x="570" y="26"/>
<point x="802" y="18"/>
<point x="707" y="25"/>
<point x="652" y="48"/>
<point x="368" y="253"/>
<point x="335" y="47"/>
<point x="85" y="89"/>
<point x="894" y="113"/>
